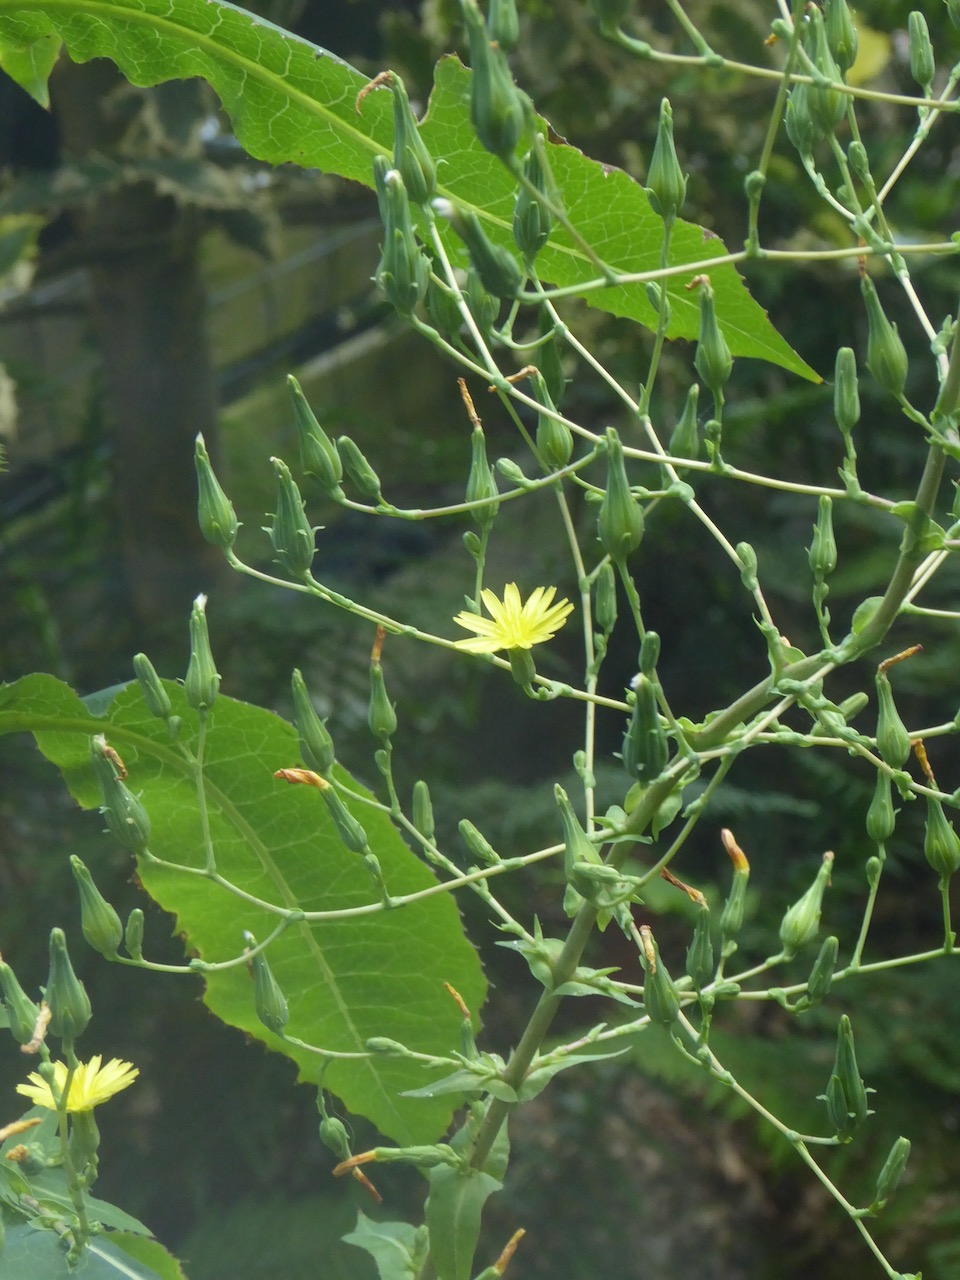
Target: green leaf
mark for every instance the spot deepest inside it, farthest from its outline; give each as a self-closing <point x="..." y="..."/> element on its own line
<point x="290" y="101"/>
<point x="369" y="973"/>
<point x="150" y="1253"/>
<point x="453" y="1215"/>
<point x="398" y="1249"/>
<point x="32" y="1254"/>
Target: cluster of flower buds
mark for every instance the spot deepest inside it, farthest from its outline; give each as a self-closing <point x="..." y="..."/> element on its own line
<point x="815" y="110"/>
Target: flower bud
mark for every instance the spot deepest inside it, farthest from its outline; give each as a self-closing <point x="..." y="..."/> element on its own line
<point x="125" y="815"/>
<point x="215" y="514"/>
<point x="359" y="471"/>
<point x="403" y="270"/>
<point x="659" y="299"/>
<point x="496" y="107"/>
<point x="660" y="997"/>
<point x="827" y="106"/>
<point x="892" y="1171"/>
<point x="712" y="358"/>
<point x="846" y="391"/>
<point x="99" y="921"/>
<point x="423" y="810"/>
<point x="731" y="919"/>
<point x="268" y="999"/>
<point x="685" y="437"/>
<point x="411" y="158"/>
<point x="881" y="816"/>
<point x="532" y="222"/>
<point x="801" y="922"/>
<point x="481" y="482"/>
<point x="846" y="1097"/>
<point x="649" y="653"/>
<point x="801" y="128"/>
<point x="133" y="934"/>
<point x="443" y="309"/>
<point x="893" y="740"/>
<point x="821" y="975"/>
<point x="479" y="846"/>
<point x="316" y="744"/>
<point x="333" y="1135"/>
<point x="644" y="743"/>
<point x="151" y="686"/>
<point x="291" y="533"/>
<point x="318" y="453"/>
<point x="953" y="12"/>
<point x="554" y="438"/>
<point x="666" y="185"/>
<point x="503" y="24"/>
<point x="822" y="555"/>
<point x="548" y="357"/>
<point x="748" y="565"/>
<point x="610" y="13"/>
<point x="841" y="33"/>
<point x="620" y="523"/>
<point x="22" y="1013"/>
<point x="483" y="306"/>
<point x="65" y="994"/>
<point x="382" y="715"/>
<point x="348" y="828"/>
<point x="605" y="602"/>
<point x="941" y="844"/>
<point x="202" y="681"/>
<point x="700" y="966"/>
<point x="84" y="1145"/>
<point x="498" y="269"/>
<point x="922" y="64"/>
<point x="886" y="355"/>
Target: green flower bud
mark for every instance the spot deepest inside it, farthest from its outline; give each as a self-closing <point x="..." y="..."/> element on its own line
<point x="801" y="128"/>
<point x="649" y="653"/>
<point x="503" y="24"/>
<point x="522" y="668"/>
<point x="291" y="534"/>
<point x="821" y="975"/>
<point x="333" y="1135"/>
<point x="578" y="848"/>
<point x="151" y="686"/>
<point x="748" y="565"/>
<point x="841" y="33"/>
<point x="660" y="997"/>
<point x="823" y="550"/>
<point x="215" y="514"/>
<point x="498" y="269"/>
<point x="953" y="12"/>
<point x="316" y="744"/>
<point x="481" y="482"/>
<point x="65" y="994"/>
<point x="411" y="158"/>
<point x="893" y="740"/>
<point x="348" y="828"/>
<point x="886" y="355"/>
<point x="685" y="437"/>
<point x="846" y="1097"/>
<point x="479" y="846"/>
<point x="382" y="716"/>
<point x="318" y="453"/>
<point x="846" y="391"/>
<point x="666" y="185"/>
<point x="202" y="681"/>
<point x="423" y="810"/>
<point x="892" y="1171"/>
<point x="548" y="357"/>
<point x="126" y="817"/>
<point x="268" y="1000"/>
<point x="22" y="1013"/>
<point x="700" y="965"/>
<point x="922" y="64"/>
<point x="644" y="743"/>
<point x="712" y="359"/>
<point x="358" y="470"/>
<point x="827" y="106"/>
<point x="605" y="602"/>
<point x="443" y="309"/>
<point x="403" y="271"/>
<point x="731" y="918"/>
<point x="620" y="523"/>
<point x="859" y="161"/>
<point x="658" y="298"/>
<point x="881" y="816"/>
<point x="133" y="934"/>
<point x="84" y="1144"/>
<point x="851" y="707"/>
<point x="802" y="921"/>
<point x="532" y="223"/>
<point x="554" y="438"/>
<point x="941" y="845"/>
<point x="496" y="107"/>
<point x="483" y="306"/>
<point x="99" y="921"/>
<point x="610" y="14"/>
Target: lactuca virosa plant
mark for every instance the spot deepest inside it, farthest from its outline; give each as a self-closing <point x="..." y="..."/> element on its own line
<point x="276" y="862"/>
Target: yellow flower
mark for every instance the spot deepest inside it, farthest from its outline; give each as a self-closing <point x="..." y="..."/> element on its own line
<point x="91" y="1084"/>
<point x="513" y="625"/>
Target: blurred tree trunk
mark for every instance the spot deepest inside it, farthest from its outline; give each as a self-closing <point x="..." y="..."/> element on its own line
<point x="148" y="311"/>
